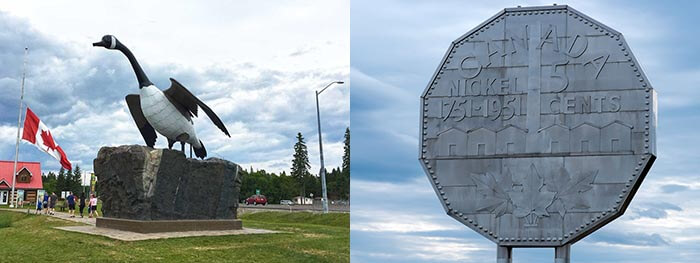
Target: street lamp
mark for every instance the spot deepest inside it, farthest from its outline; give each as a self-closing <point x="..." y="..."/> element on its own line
<point x="324" y="201"/>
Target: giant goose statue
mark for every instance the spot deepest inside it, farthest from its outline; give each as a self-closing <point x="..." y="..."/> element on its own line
<point x="169" y="112"/>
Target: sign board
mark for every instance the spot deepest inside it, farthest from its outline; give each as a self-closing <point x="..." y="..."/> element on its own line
<point x="93" y="182"/>
<point x="20" y="196"/>
<point x="86" y="178"/>
<point x="537" y="127"/>
<point x="257" y="191"/>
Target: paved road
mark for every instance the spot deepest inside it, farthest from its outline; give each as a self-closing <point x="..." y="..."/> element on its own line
<point x="295" y="208"/>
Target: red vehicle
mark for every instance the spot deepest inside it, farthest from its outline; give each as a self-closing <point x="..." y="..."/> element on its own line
<point x="256" y="199"/>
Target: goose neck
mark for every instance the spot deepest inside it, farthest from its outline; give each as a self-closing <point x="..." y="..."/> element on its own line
<point x="140" y="75"/>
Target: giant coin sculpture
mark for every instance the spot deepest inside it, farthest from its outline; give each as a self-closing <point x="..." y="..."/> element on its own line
<point x="537" y="128"/>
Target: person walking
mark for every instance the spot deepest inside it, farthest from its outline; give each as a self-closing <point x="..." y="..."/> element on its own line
<point x="46" y="203"/>
<point x="82" y="203"/>
<point x="39" y="203"/>
<point x="93" y="206"/>
<point x="52" y="203"/>
<point x="70" y="199"/>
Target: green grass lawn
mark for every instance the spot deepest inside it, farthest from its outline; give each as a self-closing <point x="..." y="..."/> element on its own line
<point x="308" y="238"/>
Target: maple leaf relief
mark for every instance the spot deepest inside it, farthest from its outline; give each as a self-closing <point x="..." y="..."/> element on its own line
<point x="532" y="201"/>
<point x="494" y="193"/>
<point x="569" y="189"/>
<point x="559" y="193"/>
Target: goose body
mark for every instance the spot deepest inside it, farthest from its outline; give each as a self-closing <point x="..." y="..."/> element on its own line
<point x="167" y="112"/>
<point x="165" y="118"/>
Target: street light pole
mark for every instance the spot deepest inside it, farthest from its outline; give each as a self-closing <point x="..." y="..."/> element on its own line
<point x="320" y="147"/>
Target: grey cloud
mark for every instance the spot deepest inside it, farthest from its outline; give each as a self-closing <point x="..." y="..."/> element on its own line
<point x="16" y="35"/>
<point x="672" y="188"/>
<point x="634" y="239"/>
<point x="655" y="210"/>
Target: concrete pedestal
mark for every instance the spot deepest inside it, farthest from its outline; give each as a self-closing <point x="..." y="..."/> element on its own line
<point x="158" y="226"/>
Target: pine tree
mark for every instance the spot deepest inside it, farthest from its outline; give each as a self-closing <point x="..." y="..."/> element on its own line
<point x="75" y="181"/>
<point x="343" y="180"/>
<point x="300" y="164"/>
<point x="346" y="151"/>
<point x="60" y="181"/>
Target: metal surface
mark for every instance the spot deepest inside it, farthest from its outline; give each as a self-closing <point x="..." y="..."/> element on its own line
<point x="322" y="172"/>
<point x="537" y="128"/>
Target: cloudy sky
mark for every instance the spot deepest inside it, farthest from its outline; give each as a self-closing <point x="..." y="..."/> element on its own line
<point x="396" y="216"/>
<point x="255" y="63"/>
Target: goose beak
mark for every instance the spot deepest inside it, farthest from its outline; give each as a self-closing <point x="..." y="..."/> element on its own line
<point x="98" y="44"/>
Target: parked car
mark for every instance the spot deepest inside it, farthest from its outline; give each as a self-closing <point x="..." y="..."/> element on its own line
<point x="256" y="200"/>
<point x="286" y="202"/>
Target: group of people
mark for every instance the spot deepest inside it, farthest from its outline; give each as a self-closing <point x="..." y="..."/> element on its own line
<point x="48" y="204"/>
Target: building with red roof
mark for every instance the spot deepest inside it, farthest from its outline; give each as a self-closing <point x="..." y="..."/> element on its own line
<point x="28" y="180"/>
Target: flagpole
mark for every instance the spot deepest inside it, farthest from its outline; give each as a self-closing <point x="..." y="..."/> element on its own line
<point x="14" y="196"/>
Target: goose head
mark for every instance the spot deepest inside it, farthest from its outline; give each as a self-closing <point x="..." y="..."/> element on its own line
<point x="108" y="42"/>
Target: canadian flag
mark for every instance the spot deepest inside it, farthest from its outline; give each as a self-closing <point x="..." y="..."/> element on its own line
<point x="36" y="132"/>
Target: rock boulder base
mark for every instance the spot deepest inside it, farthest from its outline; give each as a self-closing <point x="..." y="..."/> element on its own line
<point x="141" y="183"/>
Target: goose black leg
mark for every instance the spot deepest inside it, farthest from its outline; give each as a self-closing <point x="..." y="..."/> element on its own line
<point x="190" y="150"/>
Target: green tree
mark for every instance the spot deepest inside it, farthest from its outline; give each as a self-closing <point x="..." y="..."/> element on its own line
<point x="60" y="182"/>
<point x="49" y="182"/>
<point x="300" y="164"/>
<point x="346" y="152"/>
<point x="288" y="186"/>
<point x="339" y="179"/>
<point x="74" y="180"/>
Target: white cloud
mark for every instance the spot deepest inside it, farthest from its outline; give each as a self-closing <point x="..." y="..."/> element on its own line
<point x="430" y="248"/>
<point x="235" y="56"/>
<point x="388" y="207"/>
<point x="217" y="31"/>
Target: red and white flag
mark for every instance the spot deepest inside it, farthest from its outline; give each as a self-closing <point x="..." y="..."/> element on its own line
<point x="36" y="132"/>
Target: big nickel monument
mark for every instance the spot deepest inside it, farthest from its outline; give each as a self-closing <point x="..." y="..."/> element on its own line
<point x="537" y="128"/>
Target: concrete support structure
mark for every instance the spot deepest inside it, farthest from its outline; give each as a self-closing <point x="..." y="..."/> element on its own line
<point x="504" y="254"/>
<point x="562" y="254"/>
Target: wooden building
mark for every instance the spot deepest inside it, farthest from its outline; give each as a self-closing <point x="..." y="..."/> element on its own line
<point x="28" y="181"/>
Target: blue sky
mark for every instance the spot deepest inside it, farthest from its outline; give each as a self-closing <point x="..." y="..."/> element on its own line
<point x="255" y="64"/>
<point x="396" y="216"/>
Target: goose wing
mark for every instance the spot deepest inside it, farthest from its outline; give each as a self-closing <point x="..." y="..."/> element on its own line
<point x="147" y="131"/>
<point x="187" y="104"/>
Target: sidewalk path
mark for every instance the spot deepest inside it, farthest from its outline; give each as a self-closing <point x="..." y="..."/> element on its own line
<point x="61" y="215"/>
